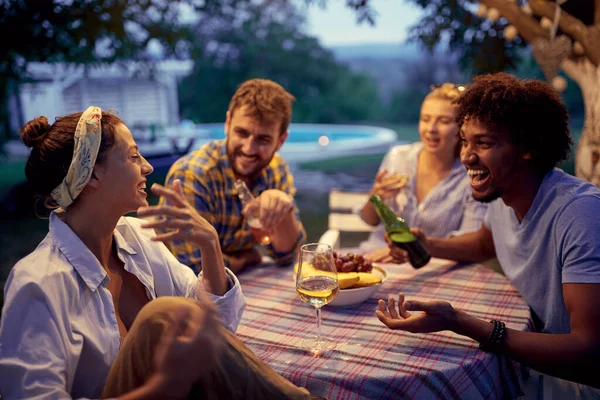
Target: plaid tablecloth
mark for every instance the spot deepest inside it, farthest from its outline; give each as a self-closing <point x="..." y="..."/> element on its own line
<point x="374" y="362"/>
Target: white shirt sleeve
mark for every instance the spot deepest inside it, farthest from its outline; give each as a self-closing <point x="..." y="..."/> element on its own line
<point x="32" y="353"/>
<point x="231" y="305"/>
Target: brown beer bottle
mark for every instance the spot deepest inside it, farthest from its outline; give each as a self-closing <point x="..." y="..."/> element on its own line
<point x="399" y="233"/>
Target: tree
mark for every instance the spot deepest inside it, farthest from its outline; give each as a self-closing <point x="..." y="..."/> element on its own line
<point x="483" y="37"/>
<point x="81" y="32"/>
<point x="94" y="32"/>
<point x="266" y="41"/>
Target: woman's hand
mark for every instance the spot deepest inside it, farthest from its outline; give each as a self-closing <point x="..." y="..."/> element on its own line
<point x="387" y="185"/>
<point x="435" y="316"/>
<point x="181" y="219"/>
<point x="185" y="224"/>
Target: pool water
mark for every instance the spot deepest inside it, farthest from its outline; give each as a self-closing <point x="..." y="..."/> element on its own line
<point x="303" y="133"/>
<point x="305" y="143"/>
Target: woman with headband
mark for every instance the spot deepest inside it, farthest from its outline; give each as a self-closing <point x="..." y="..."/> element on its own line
<point x="424" y="182"/>
<point x="102" y="291"/>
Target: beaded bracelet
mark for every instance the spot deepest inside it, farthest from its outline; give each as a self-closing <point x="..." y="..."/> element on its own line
<point x="493" y="342"/>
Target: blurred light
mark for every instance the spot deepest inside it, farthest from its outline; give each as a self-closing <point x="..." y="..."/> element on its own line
<point x="323" y="141"/>
<point x="493" y="14"/>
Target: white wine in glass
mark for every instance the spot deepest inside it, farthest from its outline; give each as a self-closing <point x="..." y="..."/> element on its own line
<point x="317" y="285"/>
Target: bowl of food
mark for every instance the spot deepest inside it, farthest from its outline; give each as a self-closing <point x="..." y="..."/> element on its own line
<point x="358" y="279"/>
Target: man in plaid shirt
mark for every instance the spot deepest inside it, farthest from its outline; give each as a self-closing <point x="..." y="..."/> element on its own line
<point x="256" y="126"/>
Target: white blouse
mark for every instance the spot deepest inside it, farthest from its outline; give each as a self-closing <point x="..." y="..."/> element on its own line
<point x="59" y="334"/>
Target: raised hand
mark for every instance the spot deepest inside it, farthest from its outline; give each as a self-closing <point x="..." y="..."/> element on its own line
<point x="275" y="205"/>
<point x="181" y="219"/>
<point x="434" y="316"/>
<point x="387" y="184"/>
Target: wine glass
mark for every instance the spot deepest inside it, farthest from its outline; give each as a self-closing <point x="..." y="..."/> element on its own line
<point x="317" y="285"/>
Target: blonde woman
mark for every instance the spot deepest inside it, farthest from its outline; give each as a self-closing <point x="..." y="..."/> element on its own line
<point x="425" y="182"/>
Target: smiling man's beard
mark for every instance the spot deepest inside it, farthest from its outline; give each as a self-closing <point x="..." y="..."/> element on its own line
<point x="255" y="172"/>
<point x="488" y="198"/>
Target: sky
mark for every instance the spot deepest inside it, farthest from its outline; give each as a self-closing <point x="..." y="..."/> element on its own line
<point x="336" y="24"/>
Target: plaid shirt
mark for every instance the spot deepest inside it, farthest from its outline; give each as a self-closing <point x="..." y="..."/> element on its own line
<point x="208" y="183"/>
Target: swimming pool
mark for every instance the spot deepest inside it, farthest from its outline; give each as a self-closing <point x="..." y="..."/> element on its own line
<point x="306" y="142"/>
<point x="305" y="133"/>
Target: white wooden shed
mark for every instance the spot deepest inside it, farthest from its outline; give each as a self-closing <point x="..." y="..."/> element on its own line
<point x="141" y="95"/>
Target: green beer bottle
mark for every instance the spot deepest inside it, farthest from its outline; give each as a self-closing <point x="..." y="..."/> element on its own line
<point x="399" y="233"/>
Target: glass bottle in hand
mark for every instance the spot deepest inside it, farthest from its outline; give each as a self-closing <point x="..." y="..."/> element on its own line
<point x="253" y="217"/>
<point x="399" y="233"/>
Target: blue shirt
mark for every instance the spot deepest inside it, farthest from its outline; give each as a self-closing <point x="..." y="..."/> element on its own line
<point x="448" y="209"/>
<point x="557" y="242"/>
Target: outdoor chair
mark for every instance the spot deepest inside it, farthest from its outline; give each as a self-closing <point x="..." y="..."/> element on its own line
<point x="341" y="216"/>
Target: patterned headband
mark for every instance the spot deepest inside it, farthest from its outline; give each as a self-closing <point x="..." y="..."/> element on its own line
<point x="88" y="135"/>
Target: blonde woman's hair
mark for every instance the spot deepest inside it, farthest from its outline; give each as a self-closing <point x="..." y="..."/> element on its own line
<point x="446" y="91"/>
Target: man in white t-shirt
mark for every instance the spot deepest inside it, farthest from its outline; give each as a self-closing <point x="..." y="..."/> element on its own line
<point x="542" y="224"/>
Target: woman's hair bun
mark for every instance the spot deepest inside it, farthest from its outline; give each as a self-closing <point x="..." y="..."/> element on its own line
<point x="34" y="131"/>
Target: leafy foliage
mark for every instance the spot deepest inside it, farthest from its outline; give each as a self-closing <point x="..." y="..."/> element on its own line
<point x="85" y="31"/>
<point x="479" y="41"/>
<point x="265" y="41"/>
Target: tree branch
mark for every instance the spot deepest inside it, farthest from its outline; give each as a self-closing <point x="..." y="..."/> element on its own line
<point x="574" y="69"/>
<point x="589" y="37"/>
<point x="527" y="26"/>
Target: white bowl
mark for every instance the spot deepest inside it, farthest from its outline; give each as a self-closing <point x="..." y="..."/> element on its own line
<point x="351" y="297"/>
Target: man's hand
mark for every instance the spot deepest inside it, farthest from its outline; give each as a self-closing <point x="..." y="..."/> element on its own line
<point x="400" y="256"/>
<point x="435" y="316"/>
<point x="273" y="205"/>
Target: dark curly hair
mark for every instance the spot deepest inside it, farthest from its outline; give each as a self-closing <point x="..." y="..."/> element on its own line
<point x="529" y="110"/>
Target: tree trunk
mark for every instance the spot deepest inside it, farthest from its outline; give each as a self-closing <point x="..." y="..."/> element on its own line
<point x="587" y="156"/>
